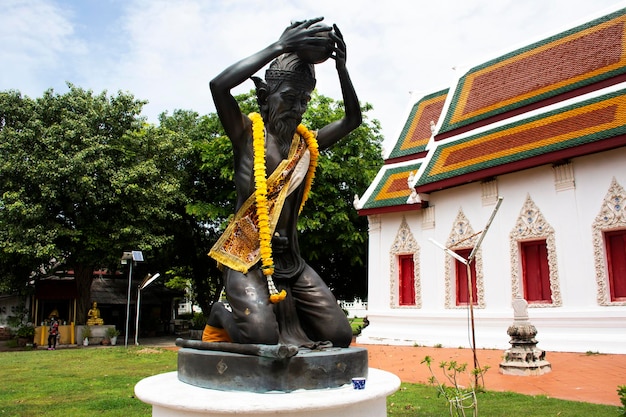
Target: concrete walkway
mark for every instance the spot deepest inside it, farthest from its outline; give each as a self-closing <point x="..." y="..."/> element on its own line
<point x="591" y="378"/>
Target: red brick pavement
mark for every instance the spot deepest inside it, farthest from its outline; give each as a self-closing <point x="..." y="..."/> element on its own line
<point x="591" y="378"/>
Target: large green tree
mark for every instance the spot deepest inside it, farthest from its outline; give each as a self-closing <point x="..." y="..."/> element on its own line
<point x="83" y="178"/>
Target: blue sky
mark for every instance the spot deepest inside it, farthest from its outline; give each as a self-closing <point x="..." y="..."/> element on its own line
<point x="167" y="51"/>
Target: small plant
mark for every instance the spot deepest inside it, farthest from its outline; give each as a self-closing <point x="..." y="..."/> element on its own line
<point x="26" y="331"/>
<point x="438" y="346"/>
<point x="459" y="397"/>
<point x="112" y="332"/>
<point x="86" y="332"/>
<point x="621" y="391"/>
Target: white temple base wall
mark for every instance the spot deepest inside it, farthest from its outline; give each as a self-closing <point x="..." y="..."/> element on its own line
<point x="557" y="331"/>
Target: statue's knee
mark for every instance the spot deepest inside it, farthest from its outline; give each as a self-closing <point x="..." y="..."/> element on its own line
<point x="344" y="338"/>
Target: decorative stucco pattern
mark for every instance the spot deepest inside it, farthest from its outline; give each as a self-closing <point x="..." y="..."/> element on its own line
<point x="462" y="236"/>
<point x="392" y="189"/>
<point x="404" y="244"/>
<point x="531" y="225"/>
<point x="612" y="216"/>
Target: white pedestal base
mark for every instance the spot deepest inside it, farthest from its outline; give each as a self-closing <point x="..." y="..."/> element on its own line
<point x="172" y="398"/>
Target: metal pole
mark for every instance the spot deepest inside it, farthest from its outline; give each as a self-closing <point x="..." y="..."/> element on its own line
<point x="137" y="318"/>
<point x="130" y="275"/>
<point x="470" y="289"/>
<point x="482" y="235"/>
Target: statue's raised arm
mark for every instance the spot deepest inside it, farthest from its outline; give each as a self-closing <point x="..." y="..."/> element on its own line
<point x="299" y="35"/>
<point x="336" y="130"/>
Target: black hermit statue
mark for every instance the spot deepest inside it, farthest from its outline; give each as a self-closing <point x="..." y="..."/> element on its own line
<point x="283" y="329"/>
<point x="274" y="295"/>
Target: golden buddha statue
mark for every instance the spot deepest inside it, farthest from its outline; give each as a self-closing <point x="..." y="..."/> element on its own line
<point x="93" y="316"/>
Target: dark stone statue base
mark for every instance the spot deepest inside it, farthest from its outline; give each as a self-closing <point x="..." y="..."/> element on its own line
<point x="308" y="369"/>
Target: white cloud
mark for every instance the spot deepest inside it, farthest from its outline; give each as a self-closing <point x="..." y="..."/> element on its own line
<point x="168" y="51"/>
<point x="36" y="39"/>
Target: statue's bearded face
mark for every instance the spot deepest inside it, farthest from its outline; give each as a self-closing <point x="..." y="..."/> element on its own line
<point x="286" y="106"/>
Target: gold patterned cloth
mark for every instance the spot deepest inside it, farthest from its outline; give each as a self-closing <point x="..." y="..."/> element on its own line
<point x="238" y="248"/>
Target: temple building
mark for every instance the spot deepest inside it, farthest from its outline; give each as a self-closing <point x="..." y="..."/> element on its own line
<point x="535" y="141"/>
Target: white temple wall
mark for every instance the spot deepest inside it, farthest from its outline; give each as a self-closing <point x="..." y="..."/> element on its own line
<point x="576" y="323"/>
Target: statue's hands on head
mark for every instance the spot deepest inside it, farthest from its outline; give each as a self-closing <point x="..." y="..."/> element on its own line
<point x="339" y="49"/>
<point x="311" y="40"/>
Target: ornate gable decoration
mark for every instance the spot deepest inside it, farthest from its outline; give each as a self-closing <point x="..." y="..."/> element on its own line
<point x="392" y="189"/>
<point x="417" y="130"/>
<point x="404" y="244"/>
<point x="462" y="236"/>
<point x="574" y="59"/>
<point x="531" y="225"/>
<point x="612" y="216"/>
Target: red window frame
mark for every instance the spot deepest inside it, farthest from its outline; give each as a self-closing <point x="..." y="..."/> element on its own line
<point x="615" y="246"/>
<point x="536" y="272"/>
<point x="406" y="281"/>
<point x="462" y="289"/>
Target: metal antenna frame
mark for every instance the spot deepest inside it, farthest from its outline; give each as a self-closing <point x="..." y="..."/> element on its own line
<point x="467" y="262"/>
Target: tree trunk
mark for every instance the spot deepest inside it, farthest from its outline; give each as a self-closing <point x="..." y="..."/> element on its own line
<point x="83" y="274"/>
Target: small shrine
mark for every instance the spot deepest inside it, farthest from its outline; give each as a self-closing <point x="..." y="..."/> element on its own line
<point x="524" y="358"/>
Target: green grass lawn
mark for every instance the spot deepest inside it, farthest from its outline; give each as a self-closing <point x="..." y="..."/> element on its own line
<point x="100" y="382"/>
<point x="79" y="382"/>
<point x="357" y="324"/>
<point x="418" y="400"/>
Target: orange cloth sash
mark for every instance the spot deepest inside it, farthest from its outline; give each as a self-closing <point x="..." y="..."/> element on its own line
<point x="215" y="334"/>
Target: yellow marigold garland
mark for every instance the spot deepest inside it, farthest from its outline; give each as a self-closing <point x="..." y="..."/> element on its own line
<point x="311" y="143"/>
<point x="260" y="194"/>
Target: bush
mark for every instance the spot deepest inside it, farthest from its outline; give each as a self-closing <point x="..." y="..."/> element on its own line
<point x="26" y="330"/>
<point x="198" y="321"/>
<point x="621" y="391"/>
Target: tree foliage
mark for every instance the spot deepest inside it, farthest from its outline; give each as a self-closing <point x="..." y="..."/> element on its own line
<point x="334" y="236"/>
<point x="82" y="179"/>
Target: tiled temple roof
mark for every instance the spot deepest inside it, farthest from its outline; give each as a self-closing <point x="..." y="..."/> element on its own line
<point x="559" y="98"/>
<point x="391" y="186"/>
<point x="417" y="129"/>
<point x="577" y="129"/>
<point x="579" y="57"/>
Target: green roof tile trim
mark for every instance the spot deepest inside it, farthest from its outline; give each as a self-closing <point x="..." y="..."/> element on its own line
<point x="589" y="121"/>
<point x="595" y="52"/>
<point x="392" y="189"/>
<point x="416" y="132"/>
